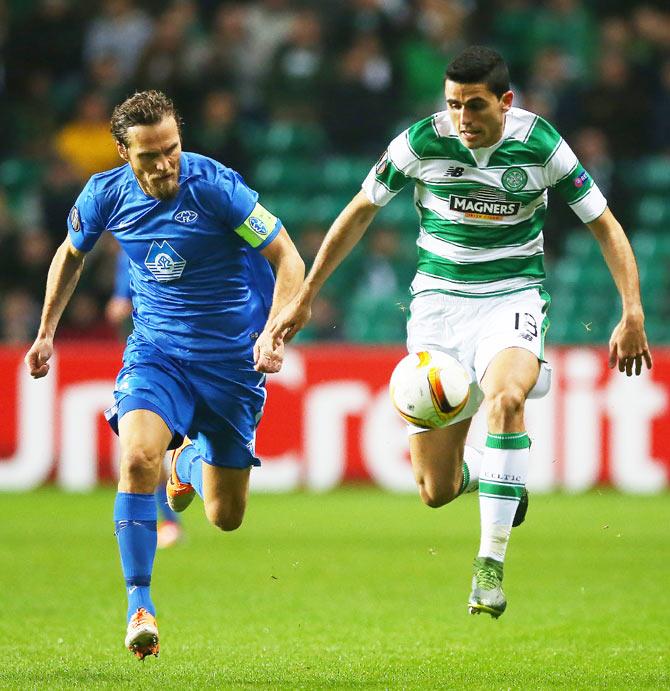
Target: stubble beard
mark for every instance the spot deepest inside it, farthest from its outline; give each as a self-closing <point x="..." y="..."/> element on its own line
<point x="165" y="189"/>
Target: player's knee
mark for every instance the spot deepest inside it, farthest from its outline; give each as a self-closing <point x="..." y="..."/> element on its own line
<point x="506" y="405"/>
<point x="140" y="467"/>
<point x="226" y="518"/>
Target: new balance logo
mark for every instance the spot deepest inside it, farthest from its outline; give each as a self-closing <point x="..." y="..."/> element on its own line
<point x="454" y="172"/>
<point x="164" y="262"/>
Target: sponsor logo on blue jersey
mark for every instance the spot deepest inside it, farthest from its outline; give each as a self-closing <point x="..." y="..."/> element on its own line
<point x="185" y="216"/>
<point x="257" y="225"/>
<point x="164" y="262"/>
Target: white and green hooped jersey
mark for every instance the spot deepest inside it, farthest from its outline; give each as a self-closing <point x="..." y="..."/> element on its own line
<point x="481" y="211"/>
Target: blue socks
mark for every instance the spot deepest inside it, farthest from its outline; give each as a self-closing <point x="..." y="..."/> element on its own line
<point x="135" y="529"/>
<point x="162" y="505"/>
<point x="189" y="468"/>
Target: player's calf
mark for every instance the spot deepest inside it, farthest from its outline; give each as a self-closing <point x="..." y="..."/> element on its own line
<point x="441" y="483"/>
<point x="436" y="492"/>
<point x="441" y="464"/>
<point x="225" y="493"/>
<point x="224" y="516"/>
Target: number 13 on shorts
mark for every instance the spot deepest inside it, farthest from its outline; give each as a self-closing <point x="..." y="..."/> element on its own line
<point x="526" y="324"/>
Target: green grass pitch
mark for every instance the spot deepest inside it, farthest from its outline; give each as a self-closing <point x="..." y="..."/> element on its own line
<point x="354" y="589"/>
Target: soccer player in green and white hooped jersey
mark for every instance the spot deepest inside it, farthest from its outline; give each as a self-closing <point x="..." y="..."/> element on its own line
<point x="481" y="170"/>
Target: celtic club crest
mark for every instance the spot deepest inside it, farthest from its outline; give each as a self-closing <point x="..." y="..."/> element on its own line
<point x="514" y="179"/>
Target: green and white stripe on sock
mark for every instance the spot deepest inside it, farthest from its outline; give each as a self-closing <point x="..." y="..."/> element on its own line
<point x="508" y="440"/>
<point x="501" y="490"/>
<point x="472" y="463"/>
<point x="502" y="480"/>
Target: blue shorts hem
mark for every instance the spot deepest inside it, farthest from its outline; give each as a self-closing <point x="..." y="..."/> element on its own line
<point x="127" y="403"/>
<point x="240" y="463"/>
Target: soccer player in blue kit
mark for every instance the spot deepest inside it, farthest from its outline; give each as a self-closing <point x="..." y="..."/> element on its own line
<point x="202" y="252"/>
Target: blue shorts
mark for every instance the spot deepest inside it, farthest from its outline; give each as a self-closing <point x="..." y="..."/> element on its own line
<point x="217" y="407"/>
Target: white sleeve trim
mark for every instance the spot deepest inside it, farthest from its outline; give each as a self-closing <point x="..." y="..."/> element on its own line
<point x="590" y="206"/>
<point x="375" y="191"/>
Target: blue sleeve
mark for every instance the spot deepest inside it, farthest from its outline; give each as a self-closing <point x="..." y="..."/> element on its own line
<point x="122" y="276"/>
<point x="84" y="222"/>
<point x="239" y="199"/>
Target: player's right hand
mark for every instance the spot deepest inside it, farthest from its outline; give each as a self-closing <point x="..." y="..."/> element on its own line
<point x="37" y="357"/>
<point x="289" y="321"/>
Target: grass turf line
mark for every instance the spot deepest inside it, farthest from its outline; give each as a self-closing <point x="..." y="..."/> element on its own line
<point x="353" y="589"/>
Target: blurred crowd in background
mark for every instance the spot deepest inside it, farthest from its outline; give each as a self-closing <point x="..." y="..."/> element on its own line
<point x="301" y="97"/>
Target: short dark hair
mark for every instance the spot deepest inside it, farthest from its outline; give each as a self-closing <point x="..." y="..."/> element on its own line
<point x="480" y="65"/>
<point x="142" y="108"/>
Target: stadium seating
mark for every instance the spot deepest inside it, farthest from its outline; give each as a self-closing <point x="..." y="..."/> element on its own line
<point x="377" y="319"/>
<point x="18" y="178"/>
<point x="285" y="137"/>
<point x="342" y="173"/>
<point x="653" y="211"/>
<point x="585" y="304"/>
<point x="651" y="174"/>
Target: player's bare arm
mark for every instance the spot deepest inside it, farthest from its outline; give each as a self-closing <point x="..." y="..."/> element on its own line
<point x="290" y="271"/>
<point x="345" y="232"/>
<point x="64" y="273"/>
<point x="628" y="343"/>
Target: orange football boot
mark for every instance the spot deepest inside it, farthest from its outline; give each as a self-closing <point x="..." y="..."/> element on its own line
<point x="142" y="635"/>
<point x="179" y="494"/>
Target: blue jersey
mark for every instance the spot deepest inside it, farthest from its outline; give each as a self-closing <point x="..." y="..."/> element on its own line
<point x="122" y="277"/>
<point x="199" y="285"/>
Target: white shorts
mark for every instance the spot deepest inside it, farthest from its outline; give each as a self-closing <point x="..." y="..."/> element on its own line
<point x="475" y="330"/>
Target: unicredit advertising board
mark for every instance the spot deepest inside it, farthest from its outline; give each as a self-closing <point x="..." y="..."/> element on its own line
<point x="328" y="420"/>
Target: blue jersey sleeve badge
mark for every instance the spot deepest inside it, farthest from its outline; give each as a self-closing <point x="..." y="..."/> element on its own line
<point x="75" y="221"/>
<point x="259" y="226"/>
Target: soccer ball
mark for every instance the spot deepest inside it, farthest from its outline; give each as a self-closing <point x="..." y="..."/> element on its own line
<point x="429" y="388"/>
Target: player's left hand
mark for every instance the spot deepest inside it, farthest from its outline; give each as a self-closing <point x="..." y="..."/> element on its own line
<point x="268" y="358"/>
<point x="628" y="346"/>
<point x="37" y="358"/>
